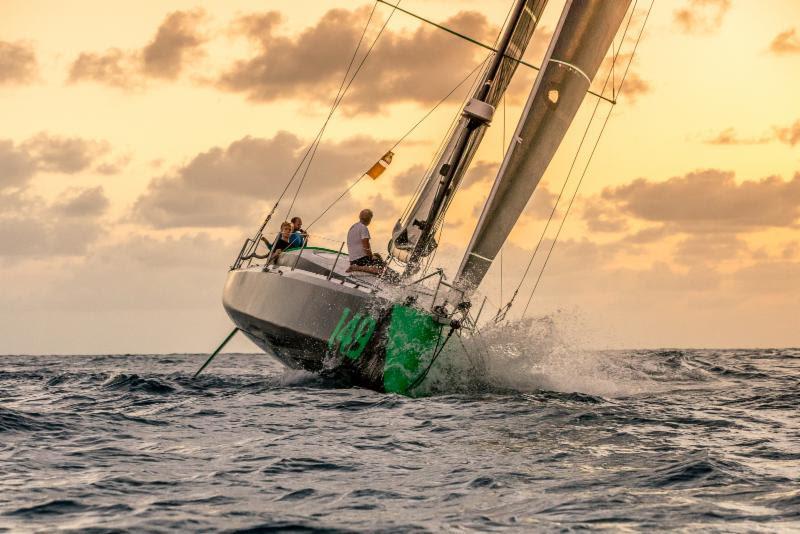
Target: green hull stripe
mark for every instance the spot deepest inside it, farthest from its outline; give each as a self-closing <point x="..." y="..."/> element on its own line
<point x="412" y="338"/>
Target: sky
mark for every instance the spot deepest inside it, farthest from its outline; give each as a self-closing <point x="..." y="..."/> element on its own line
<point x="141" y="143"/>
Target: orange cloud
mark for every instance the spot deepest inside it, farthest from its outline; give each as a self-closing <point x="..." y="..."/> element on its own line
<point x="701" y="16"/>
<point x="218" y="187"/>
<point x="52" y="153"/>
<point x="31" y="228"/>
<point x="711" y="201"/>
<point x="309" y="65"/>
<point x="177" y="41"/>
<point x="790" y="134"/>
<point x="17" y="63"/>
<point x="787" y="42"/>
<point x="728" y="136"/>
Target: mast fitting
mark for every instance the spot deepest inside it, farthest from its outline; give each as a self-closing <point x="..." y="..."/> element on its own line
<point x="479" y="110"/>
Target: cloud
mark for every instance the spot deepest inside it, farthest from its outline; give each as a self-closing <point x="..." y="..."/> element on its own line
<point x="480" y="172"/>
<point x="113" y="166"/>
<point x="776" y="277"/>
<point x="52" y="153"/>
<point x="89" y="202"/>
<point x="113" y="67"/>
<point x="599" y="217"/>
<point x="710" y="200"/>
<point x="701" y="16"/>
<point x="635" y="86"/>
<point x="233" y="185"/>
<point x="729" y="137"/>
<point x="68" y="155"/>
<point x="407" y="182"/>
<point x="709" y="248"/>
<point x="787" y="42"/>
<point x="31" y="228"/>
<point x="790" y="134"/>
<point x="17" y="166"/>
<point x="401" y="67"/>
<point x="17" y="63"/>
<point x="177" y="42"/>
<point x="647" y="235"/>
<point x="168" y="273"/>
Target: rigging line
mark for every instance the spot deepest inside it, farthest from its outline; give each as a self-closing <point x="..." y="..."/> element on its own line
<point x="256" y="239"/>
<point x="503" y="155"/>
<point x="591" y="154"/>
<point x="432" y="257"/>
<point x="453" y="123"/>
<point x="502" y="313"/>
<point x="340" y="98"/>
<point x="334" y="103"/>
<point x="442" y="143"/>
<point x="475" y="42"/>
<point x="404" y="136"/>
<point x="438" y="351"/>
<point x="260" y="232"/>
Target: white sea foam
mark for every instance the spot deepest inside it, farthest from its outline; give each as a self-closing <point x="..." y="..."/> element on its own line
<point x="542" y="353"/>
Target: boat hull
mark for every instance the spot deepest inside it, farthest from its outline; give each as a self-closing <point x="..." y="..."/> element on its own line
<point x="322" y="325"/>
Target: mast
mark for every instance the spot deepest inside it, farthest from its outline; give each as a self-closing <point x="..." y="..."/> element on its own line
<point x="583" y="36"/>
<point x="413" y="237"/>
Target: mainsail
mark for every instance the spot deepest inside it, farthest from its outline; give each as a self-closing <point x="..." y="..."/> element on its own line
<point x="584" y="34"/>
<point x="413" y="236"/>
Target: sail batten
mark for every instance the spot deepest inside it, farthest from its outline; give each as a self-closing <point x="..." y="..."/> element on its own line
<point x="583" y="35"/>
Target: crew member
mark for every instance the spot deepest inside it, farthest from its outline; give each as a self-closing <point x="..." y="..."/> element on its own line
<point x="282" y="240"/>
<point x="359" y="249"/>
<point x="299" y="236"/>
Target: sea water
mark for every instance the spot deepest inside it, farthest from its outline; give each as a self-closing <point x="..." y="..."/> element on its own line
<point x="547" y="438"/>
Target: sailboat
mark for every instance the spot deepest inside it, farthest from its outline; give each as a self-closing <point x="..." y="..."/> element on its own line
<point x="308" y="310"/>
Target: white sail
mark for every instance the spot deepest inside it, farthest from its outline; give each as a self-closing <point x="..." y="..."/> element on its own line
<point x="413" y="236"/>
<point x="584" y="34"/>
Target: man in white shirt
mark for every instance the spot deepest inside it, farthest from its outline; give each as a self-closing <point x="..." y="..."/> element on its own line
<point x="359" y="249"/>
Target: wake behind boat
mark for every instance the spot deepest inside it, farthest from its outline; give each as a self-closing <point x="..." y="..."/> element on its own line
<point x="309" y="309"/>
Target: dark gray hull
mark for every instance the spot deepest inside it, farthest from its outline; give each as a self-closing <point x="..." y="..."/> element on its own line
<point x="291" y="314"/>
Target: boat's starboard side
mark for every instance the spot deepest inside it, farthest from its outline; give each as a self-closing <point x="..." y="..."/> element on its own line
<point x="411" y="341"/>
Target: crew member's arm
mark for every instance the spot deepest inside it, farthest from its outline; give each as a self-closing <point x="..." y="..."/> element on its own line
<point x="367" y="248"/>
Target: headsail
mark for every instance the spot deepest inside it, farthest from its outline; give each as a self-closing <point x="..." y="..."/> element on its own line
<point x="584" y="34"/>
<point x="413" y="236"/>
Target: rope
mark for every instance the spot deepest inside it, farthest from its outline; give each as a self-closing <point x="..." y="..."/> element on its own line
<point x="443" y="143"/>
<point x="503" y="155"/>
<point x="402" y="138"/>
<point x="436" y="354"/>
<point x="313" y="143"/>
<point x="334" y="104"/>
<point x="469" y="39"/>
<point x="591" y="154"/>
<point x="339" y="101"/>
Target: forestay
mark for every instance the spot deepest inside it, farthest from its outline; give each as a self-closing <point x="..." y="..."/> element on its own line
<point x="584" y="34"/>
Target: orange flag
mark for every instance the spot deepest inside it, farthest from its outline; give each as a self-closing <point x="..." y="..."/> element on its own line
<point x="380" y="166"/>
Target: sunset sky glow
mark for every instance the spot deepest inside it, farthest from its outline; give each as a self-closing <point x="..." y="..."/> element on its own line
<point x="142" y="142"/>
